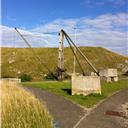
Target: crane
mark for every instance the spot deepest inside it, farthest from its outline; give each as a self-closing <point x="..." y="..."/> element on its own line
<point x="61" y="54"/>
<point x="58" y="75"/>
<point x="35" y="54"/>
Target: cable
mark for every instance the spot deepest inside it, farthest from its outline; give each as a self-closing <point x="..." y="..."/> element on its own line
<point x="38" y="58"/>
<point x="87" y="60"/>
<point x="75" y="55"/>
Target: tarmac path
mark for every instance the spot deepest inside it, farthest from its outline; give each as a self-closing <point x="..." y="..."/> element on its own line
<point x="69" y="115"/>
<point x="64" y="112"/>
<point x="97" y="117"/>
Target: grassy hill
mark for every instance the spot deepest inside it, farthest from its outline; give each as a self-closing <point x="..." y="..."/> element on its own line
<point x="21" y="60"/>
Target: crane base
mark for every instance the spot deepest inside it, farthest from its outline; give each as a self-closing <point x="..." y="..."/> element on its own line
<point x="85" y="85"/>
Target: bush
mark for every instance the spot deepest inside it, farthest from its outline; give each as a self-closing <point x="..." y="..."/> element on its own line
<point x="50" y="76"/>
<point x="25" y="77"/>
<point x="67" y="76"/>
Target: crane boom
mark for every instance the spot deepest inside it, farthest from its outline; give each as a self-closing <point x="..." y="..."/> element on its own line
<point x="78" y="49"/>
<point x="38" y="58"/>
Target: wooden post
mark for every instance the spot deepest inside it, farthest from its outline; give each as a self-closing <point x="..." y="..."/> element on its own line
<point x="61" y="53"/>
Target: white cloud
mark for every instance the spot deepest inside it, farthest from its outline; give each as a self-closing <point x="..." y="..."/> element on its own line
<point x="106" y="30"/>
<point x="56" y="25"/>
<point x="108" y="21"/>
<point x="10" y="38"/>
<point x="10" y="18"/>
<point x="100" y="3"/>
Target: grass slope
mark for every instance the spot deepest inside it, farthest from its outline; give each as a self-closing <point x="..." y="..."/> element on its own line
<point x="20" y="109"/>
<point x="64" y="89"/>
<point x="22" y="60"/>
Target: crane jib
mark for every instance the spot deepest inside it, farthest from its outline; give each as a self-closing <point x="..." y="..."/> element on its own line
<point x="36" y="56"/>
<point x="86" y="59"/>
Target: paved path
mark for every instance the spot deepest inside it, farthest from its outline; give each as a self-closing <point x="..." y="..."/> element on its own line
<point x="69" y="115"/>
<point x="64" y="112"/>
<point x="97" y="117"/>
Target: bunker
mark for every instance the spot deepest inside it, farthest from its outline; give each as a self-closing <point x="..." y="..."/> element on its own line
<point x="109" y="74"/>
<point x="85" y="84"/>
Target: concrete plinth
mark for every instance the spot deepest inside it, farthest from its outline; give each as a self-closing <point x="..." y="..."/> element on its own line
<point x="85" y="85"/>
<point x="15" y="80"/>
<point x="115" y="79"/>
<point x="109" y="74"/>
<point x="108" y="79"/>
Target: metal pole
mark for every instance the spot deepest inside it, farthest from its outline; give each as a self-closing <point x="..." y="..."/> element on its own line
<point x="87" y="60"/>
<point x="75" y="55"/>
<point x="74" y="70"/>
<point x="38" y="58"/>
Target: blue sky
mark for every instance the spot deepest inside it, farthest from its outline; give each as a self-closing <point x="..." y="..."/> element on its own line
<point x="98" y="22"/>
<point x="31" y="13"/>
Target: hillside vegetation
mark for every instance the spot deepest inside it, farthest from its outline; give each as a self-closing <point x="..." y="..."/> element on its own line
<point x="20" y="109"/>
<point x="16" y="61"/>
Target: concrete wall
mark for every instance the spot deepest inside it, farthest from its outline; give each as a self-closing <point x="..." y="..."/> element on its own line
<point x="108" y="72"/>
<point x="85" y="84"/>
<point x="16" y="80"/>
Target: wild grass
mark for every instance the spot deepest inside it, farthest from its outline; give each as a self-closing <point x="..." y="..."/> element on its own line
<point x="20" y="109"/>
<point x="64" y="89"/>
<point x="25" y="62"/>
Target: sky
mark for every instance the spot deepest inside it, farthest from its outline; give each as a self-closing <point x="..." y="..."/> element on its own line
<point x="101" y="23"/>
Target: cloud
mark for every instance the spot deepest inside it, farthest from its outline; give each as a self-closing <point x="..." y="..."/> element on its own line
<point x="101" y="3"/>
<point x="56" y="25"/>
<point x="10" y="18"/>
<point x="108" y="30"/>
<point x="108" y="21"/>
<point x="10" y="38"/>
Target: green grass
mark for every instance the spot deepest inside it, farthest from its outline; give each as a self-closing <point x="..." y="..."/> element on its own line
<point x="64" y="89"/>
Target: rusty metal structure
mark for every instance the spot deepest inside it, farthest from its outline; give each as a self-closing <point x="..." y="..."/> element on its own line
<point x="72" y="45"/>
<point x="60" y="67"/>
<point x="36" y="55"/>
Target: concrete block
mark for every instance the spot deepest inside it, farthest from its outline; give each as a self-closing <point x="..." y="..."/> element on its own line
<point x="85" y="85"/>
<point x="108" y="79"/>
<point x="111" y="72"/>
<point x="111" y="79"/>
<point x="14" y="80"/>
<point x="115" y="79"/>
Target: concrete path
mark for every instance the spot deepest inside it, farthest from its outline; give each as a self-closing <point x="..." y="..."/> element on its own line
<point x="97" y="117"/>
<point x="64" y="112"/>
<point x="69" y="115"/>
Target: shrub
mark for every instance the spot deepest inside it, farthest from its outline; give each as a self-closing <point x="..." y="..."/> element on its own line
<point x="25" y="77"/>
<point x="50" y="76"/>
<point x="67" y="76"/>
